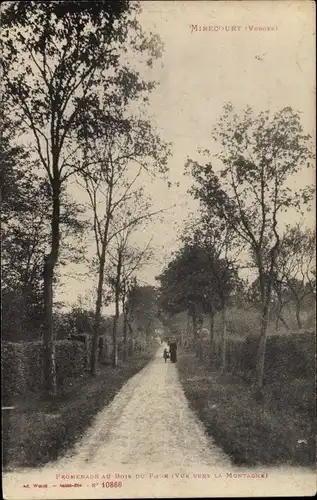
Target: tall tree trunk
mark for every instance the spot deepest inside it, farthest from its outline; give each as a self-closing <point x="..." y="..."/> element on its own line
<point x="266" y="295"/>
<point x="188" y="328"/>
<point x="259" y="372"/>
<point x="280" y="318"/>
<point x="148" y="332"/>
<point x="102" y="260"/>
<point x="277" y="321"/>
<point x="211" y="327"/>
<point x="284" y="322"/>
<point x="194" y="319"/>
<point x="94" y="347"/>
<point x="114" y="337"/>
<point x="117" y="313"/>
<point x="125" y="336"/>
<point x="49" y="265"/>
<point x="48" y="338"/>
<point x="211" y="333"/>
<point x="298" y="318"/>
<point x="261" y="353"/>
<point x="224" y="339"/>
<point x="201" y="347"/>
<point x="195" y="328"/>
<point x="130" y="339"/>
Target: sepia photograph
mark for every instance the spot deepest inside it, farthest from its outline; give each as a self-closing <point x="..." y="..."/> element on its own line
<point x="158" y="249"/>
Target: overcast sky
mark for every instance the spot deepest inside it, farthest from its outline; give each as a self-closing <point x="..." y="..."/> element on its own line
<point x="267" y="69"/>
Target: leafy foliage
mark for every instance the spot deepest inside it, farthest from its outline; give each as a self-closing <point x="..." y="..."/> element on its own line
<point x="196" y="279"/>
<point x="24" y="236"/>
<point x="143" y="307"/>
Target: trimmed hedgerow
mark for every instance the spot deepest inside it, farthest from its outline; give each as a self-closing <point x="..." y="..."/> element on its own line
<point x="13" y="370"/>
<point x="23" y="365"/>
<point x="286" y="356"/>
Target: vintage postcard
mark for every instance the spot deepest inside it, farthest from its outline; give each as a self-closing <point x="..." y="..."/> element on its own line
<point x="158" y="249"/>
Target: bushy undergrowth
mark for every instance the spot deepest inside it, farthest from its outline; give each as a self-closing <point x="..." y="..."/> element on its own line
<point x="280" y="432"/>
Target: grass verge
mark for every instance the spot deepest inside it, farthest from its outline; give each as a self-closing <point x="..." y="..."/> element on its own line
<point x="38" y="431"/>
<point x="280" y="432"/>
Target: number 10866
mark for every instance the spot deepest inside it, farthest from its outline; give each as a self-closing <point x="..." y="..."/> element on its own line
<point x="112" y="484"/>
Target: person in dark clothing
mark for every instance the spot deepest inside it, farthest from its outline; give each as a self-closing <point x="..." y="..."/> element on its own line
<point x="173" y="351"/>
<point x="165" y="355"/>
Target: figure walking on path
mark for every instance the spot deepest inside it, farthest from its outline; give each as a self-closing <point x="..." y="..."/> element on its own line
<point x="165" y="354"/>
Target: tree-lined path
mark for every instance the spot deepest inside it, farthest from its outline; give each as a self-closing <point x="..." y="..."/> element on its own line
<point x="149" y="422"/>
<point x="150" y="442"/>
<point x="127" y="218"/>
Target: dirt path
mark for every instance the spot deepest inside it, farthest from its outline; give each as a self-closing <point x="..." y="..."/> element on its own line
<point x="149" y="444"/>
<point x="148" y="422"/>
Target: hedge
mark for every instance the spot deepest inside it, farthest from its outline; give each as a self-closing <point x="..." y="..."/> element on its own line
<point x="22" y="367"/>
<point x="14" y="370"/>
<point x="285" y="356"/>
